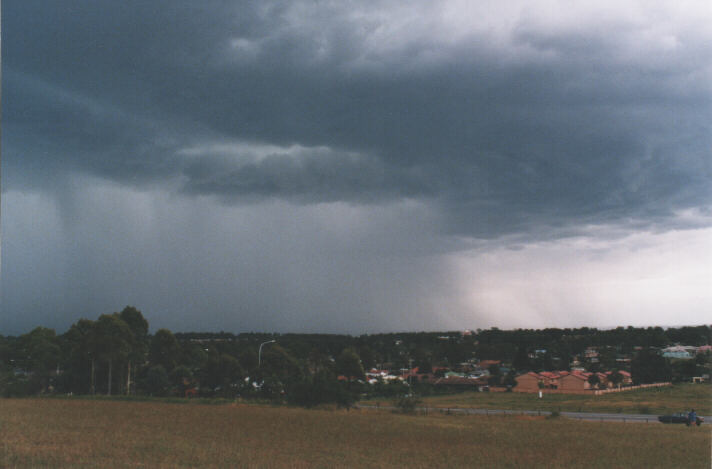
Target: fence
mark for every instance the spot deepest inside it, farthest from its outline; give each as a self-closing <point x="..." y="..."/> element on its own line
<point x="597" y="392"/>
<point x="593" y="392"/>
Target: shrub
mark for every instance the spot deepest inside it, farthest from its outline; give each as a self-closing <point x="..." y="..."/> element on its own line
<point x="407" y="404"/>
<point x="320" y="389"/>
<point x="157" y="382"/>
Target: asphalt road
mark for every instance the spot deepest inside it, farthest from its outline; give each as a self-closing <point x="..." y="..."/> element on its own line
<point x="594" y="416"/>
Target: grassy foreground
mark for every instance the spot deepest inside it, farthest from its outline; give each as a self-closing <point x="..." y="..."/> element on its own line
<point x="76" y="433"/>
<point x="677" y="398"/>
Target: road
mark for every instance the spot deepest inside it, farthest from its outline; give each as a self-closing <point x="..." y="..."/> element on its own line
<point x="595" y="416"/>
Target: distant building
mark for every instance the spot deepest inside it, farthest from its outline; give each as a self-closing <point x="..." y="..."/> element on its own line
<point x="679" y="351"/>
<point x="682" y="355"/>
<point x="564" y="381"/>
<point x="529" y="382"/>
<point x="575" y="381"/>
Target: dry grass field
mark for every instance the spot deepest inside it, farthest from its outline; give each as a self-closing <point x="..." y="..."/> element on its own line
<point x="82" y="433"/>
<point x="677" y="398"/>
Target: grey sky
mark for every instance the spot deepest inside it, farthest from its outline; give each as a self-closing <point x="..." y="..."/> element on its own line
<point x="354" y="167"/>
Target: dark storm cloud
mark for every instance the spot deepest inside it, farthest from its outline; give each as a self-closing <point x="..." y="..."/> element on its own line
<point x="303" y="166"/>
<point x="548" y="126"/>
<point x="303" y="174"/>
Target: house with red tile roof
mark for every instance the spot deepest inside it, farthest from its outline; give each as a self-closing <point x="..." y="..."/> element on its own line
<point x="579" y="381"/>
<point x="529" y="382"/>
<point x="550" y="379"/>
<point x="574" y="382"/>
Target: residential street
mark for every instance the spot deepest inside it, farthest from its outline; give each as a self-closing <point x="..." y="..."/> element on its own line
<point x="603" y="417"/>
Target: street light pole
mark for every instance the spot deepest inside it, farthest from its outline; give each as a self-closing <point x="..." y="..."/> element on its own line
<point x="259" y="353"/>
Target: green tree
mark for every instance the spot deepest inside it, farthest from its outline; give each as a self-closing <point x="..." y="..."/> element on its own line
<point x="164" y="349"/>
<point x="248" y="359"/>
<point x="369" y="358"/>
<point x="348" y="364"/>
<point x="80" y="360"/>
<point x="607" y="357"/>
<point x="181" y="379"/>
<point x="112" y="342"/>
<point x="136" y="322"/>
<point x="510" y="379"/>
<point x="40" y="349"/>
<point x="616" y="378"/>
<point x="139" y="340"/>
<point x="231" y="374"/>
<point x="649" y="367"/>
<point x="209" y="374"/>
<point x="277" y="362"/>
<point x="683" y="370"/>
<point x="193" y="356"/>
<point x="318" y="362"/>
<point x="521" y="359"/>
<point x="157" y="381"/>
<point x="272" y="388"/>
<point x="222" y="374"/>
<point x="495" y="375"/>
<point x="321" y="388"/>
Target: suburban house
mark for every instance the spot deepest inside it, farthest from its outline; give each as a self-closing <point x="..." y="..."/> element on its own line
<point x="373" y="376"/>
<point x="528" y="382"/>
<point x="575" y="381"/>
<point x="532" y="382"/>
<point x="551" y="378"/>
<point x="564" y="381"/>
<point x="679" y="351"/>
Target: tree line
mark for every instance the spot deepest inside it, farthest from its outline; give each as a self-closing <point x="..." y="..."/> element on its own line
<point x="116" y="354"/>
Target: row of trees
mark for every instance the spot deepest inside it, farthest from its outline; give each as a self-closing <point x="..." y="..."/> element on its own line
<point x="112" y="348"/>
<point x="115" y="354"/>
<point x="426" y="349"/>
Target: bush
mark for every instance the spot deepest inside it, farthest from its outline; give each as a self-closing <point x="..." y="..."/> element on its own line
<point x="322" y="388"/>
<point x="272" y="388"/>
<point x="157" y="382"/>
<point x="407" y="404"/>
<point x="16" y="386"/>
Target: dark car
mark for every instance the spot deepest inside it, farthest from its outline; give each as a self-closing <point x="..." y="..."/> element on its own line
<point x="679" y="418"/>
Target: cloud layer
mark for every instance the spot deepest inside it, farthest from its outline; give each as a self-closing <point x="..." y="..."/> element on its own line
<point x="441" y="124"/>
